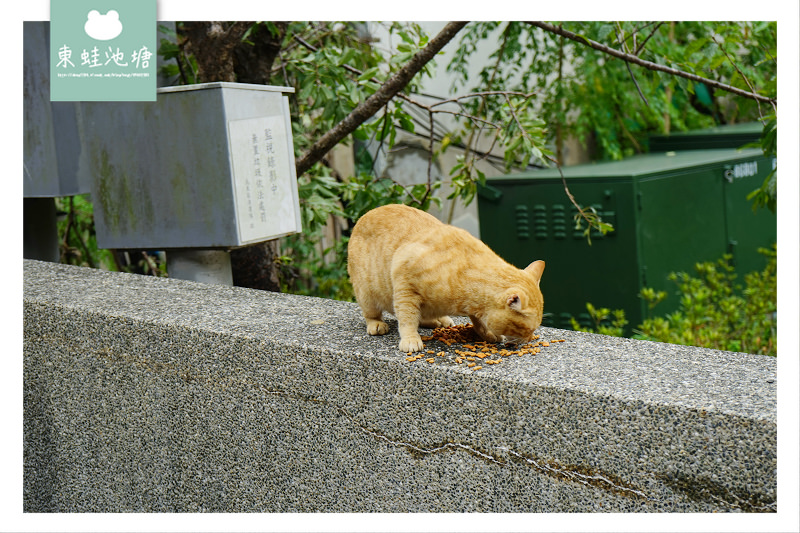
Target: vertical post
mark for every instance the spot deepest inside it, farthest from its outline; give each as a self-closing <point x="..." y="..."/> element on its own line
<point x="204" y="266"/>
<point x="39" y="230"/>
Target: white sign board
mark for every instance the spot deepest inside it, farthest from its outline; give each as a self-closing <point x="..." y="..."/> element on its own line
<point x="263" y="181"/>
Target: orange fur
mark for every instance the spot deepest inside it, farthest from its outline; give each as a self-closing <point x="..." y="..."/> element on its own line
<point x="406" y="262"/>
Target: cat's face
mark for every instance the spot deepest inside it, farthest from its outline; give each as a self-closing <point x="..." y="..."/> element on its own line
<point x="518" y="311"/>
<point x="517" y="318"/>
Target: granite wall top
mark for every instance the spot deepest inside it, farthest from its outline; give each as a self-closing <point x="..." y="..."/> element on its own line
<point x="224" y="398"/>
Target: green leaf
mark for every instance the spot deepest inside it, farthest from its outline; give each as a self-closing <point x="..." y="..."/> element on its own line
<point x="604" y="31"/>
<point x="717" y="62"/>
<point x="695" y="45"/>
<point x="348" y="57"/>
<point x="168" y="49"/>
<point x="481" y="177"/>
<point x="405" y="122"/>
<point x="367" y="74"/>
<point x="354" y="95"/>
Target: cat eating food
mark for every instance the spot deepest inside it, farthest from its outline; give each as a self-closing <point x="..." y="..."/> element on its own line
<point x="406" y="262"/>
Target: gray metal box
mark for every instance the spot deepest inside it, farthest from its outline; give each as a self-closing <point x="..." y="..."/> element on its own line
<point x="205" y="166"/>
<point x="50" y="130"/>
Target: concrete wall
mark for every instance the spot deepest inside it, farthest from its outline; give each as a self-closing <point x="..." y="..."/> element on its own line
<point x="145" y="394"/>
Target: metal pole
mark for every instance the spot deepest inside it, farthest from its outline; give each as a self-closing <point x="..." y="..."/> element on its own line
<point x="205" y="266"/>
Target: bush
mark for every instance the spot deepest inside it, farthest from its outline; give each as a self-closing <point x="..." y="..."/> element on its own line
<point x="714" y="311"/>
<point x="606" y="322"/>
<point x="78" y="242"/>
<point x="76" y="235"/>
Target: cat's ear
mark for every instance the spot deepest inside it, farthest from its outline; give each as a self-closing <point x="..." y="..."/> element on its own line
<point x="514" y="302"/>
<point x="535" y="269"/>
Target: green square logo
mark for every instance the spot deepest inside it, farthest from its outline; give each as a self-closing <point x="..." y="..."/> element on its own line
<point x="103" y="50"/>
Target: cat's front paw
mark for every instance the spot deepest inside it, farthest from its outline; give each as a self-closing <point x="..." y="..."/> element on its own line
<point x="446" y="321"/>
<point x="441" y="322"/>
<point x="411" y="344"/>
<point x="377" y="327"/>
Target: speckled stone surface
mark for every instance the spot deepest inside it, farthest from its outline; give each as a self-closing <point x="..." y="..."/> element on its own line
<point x="145" y="394"/>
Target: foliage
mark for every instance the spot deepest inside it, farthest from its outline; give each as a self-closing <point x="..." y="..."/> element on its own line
<point x="766" y="194"/>
<point x="587" y="94"/>
<point x="78" y="242"/>
<point x="185" y="65"/>
<point x="606" y="322"/>
<point x="715" y="311"/>
<point x="77" y="239"/>
<point x="514" y="124"/>
<point x="305" y="271"/>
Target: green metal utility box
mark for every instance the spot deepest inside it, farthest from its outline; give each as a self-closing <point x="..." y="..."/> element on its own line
<point x="726" y="136"/>
<point x="669" y="211"/>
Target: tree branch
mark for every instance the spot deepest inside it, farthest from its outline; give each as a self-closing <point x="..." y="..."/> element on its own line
<point x="750" y="85"/>
<point x="371" y="105"/>
<point x="429" y="109"/>
<point x="650" y="65"/>
<point x="641" y="45"/>
<point x="621" y="39"/>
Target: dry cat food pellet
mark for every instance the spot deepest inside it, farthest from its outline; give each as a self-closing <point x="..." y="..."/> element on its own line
<point x="475" y="348"/>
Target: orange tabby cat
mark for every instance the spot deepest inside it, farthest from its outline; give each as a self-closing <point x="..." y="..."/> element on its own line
<point x="408" y="263"/>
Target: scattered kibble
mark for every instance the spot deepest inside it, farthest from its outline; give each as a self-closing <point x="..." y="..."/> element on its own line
<point x="473" y="348"/>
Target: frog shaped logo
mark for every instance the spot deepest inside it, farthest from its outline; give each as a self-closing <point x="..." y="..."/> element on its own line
<point x="103" y="27"/>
